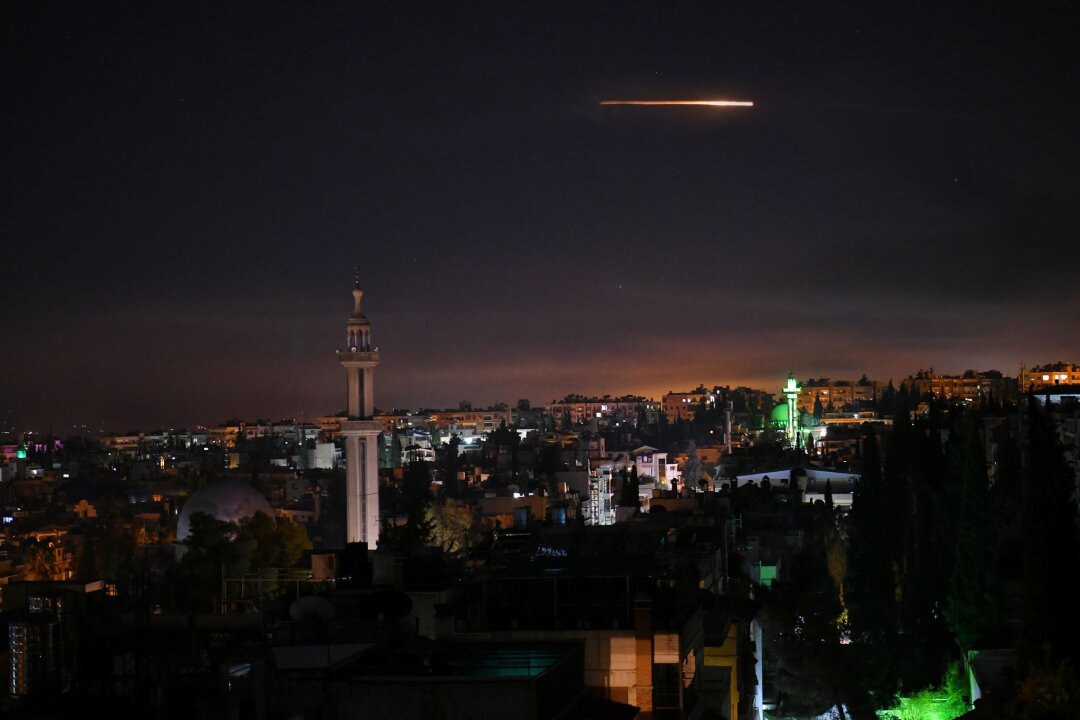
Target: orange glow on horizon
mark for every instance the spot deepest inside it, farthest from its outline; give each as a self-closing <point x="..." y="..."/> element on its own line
<point x="707" y="103"/>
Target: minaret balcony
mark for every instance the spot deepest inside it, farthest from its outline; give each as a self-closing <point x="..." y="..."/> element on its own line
<point x="358" y="357"/>
<point x="361" y="427"/>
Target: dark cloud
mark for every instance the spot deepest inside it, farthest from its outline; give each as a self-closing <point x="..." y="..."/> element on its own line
<point x="186" y="190"/>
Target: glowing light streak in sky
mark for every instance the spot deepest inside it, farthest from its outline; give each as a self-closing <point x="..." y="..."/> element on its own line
<point x="708" y="103"/>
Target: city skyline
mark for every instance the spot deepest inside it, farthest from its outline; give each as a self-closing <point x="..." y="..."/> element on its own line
<point x="188" y="189"/>
<point x="806" y="383"/>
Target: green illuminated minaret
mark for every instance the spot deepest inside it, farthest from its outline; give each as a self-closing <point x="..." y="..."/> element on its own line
<point x="791" y="392"/>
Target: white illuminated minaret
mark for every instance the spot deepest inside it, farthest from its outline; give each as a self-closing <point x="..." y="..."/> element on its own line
<point x="359" y="359"/>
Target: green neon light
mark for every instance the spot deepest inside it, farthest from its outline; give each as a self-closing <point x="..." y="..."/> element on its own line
<point x="20" y="454"/>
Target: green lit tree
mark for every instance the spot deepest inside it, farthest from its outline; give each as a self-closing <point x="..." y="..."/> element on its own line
<point x="941" y="702"/>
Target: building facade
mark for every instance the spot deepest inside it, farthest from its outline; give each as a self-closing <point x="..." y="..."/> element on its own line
<point x="578" y="409"/>
<point x="1041" y="377"/>
<point x="971" y="387"/>
<point x="683" y="406"/>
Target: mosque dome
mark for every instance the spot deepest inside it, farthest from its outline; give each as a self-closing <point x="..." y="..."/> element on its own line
<point x="779" y="415"/>
<point x="228" y="500"/>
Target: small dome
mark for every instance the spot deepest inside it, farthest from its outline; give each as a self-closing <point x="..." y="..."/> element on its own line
<point x="779" y="415"/>
<point x="228" y="500"/>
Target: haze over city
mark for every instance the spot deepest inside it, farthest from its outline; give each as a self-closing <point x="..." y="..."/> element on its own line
<point x="542" y="360"/>
<point x="187" y="191"/>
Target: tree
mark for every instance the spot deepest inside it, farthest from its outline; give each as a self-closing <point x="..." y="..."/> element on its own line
<point x="887" y="402"/>
<point x="86" y="570"/>
<point x="293" y="541"/>
<point x="415" y="532"/>
<point x="803" y="619"/>
<point x="450" y="527"/>
<point x="42" y="563"/>
<point x="973" y="607"/>
<point x="565" y="425"/>
<point x="395" y="448"/>
<point x="924" y="494"/>
<point x="332" y="520"/>
<point x="416" y="483"/>
<point x="628" y="491"/>
<point x="945" y="701"/>
<point x="1007" y="495"/>
<point x="415" y="496"/>
<point x="550" y="461"/>
<point x="115" y="539"/>
<point x="500" y="449"/>
<point x="870" y="590"/>
<point x="258" y="543"/>
<point x="1048" y="692"/>
<point x="262" y="544"/>
<point x="694" y="469"/>
<point x="451" y="466"/>
<point x="1048" y="621"/>
<point x="199" y="575"/>
<point x="836" y="553"/>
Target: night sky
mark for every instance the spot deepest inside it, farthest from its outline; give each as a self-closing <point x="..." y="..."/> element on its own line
<point x="186" y="188"/>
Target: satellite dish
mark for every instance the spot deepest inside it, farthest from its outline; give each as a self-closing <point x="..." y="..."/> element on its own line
<point x="311" y="608"/>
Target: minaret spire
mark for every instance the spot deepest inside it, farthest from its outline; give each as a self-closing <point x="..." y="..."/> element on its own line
<point x="357" y="327"/>
<point x="357" y="294"/>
